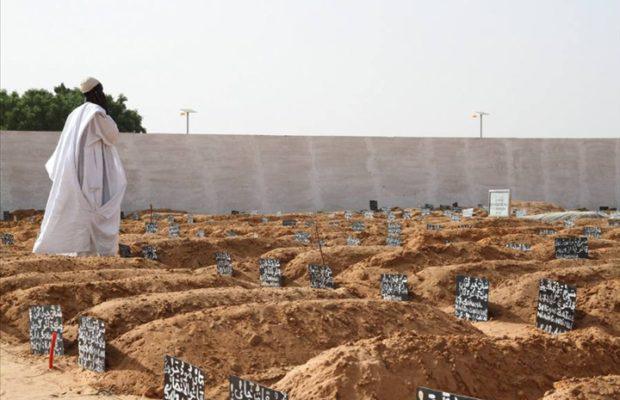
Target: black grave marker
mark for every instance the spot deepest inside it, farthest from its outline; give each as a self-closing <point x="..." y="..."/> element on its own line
<point x="431" y="394"/>
<point x="358" y="226"/>
<point x="173" y="230"/>
<point x="289" y="222"/>
<point x="240" y="389"/>
<point x="353" y="241"/>
<point x="434" y="227"/>
<point x="91" y="344"/>
<point x="320" y="276"/>
<point x="124" y="250"/>
<point x="571" y="247"/>
<point x="43" y="321"/>
<point x="182" y="381"/>
<point x="519" y="246"/>
<point x="150" y="227"/>
<point x="149" y="252"/>
<point x="394" y="287"/>
<point x="373" y="205"/>
<point x="472" y="298"/>
<point x="270" y="273"/>
<point x="556" y="306"/>
<point x="302" y="237"/>
<point x="592" y="231"/>
<point x="224" y="263"/>
<point x="8" y="239"/>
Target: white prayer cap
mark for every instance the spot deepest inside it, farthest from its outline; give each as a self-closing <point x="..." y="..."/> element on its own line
<point x="88" y="84"/>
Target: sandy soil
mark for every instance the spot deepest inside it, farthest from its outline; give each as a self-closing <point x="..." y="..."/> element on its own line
<point x="345" y="343"/>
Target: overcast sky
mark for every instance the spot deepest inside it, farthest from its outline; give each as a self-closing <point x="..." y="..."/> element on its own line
<point x="332" y="67"/>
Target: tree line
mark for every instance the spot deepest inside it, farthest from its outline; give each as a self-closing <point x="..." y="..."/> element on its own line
<point x="42" y="110"/>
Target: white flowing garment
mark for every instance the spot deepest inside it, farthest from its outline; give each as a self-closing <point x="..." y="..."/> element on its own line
<point x="82" y="214"/>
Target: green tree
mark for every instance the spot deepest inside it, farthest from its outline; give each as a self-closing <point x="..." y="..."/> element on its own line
<point x="41" y="110"/>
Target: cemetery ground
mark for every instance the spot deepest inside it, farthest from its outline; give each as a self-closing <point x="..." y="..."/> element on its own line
<point x="344" y="343"/>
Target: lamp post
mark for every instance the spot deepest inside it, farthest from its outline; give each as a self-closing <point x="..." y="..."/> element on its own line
<point x="187" y="112"/>
<point x="479" y="114"/>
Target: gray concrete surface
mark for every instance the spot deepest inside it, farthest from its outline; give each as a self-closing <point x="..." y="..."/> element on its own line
<point x="219" y="173"/>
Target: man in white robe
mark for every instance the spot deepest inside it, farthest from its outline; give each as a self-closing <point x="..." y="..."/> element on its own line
<point x="82" y="215"/>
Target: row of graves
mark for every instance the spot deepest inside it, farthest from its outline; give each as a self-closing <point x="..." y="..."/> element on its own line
<point x="554" y="314"/>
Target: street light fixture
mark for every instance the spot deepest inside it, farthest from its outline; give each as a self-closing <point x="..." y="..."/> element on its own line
<point x="479" y="114"/>
<point x="187" y="112"/>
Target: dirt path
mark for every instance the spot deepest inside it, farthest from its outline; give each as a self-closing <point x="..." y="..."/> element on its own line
<point x="22" y="378"/>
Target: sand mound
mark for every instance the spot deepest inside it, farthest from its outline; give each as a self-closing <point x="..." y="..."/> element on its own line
<point x="392" y="368"/>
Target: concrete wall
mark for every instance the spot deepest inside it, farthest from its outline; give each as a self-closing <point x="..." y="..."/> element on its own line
<point x="217" y="173"/>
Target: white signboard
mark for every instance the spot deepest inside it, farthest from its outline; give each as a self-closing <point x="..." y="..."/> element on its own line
<point x="499" y="203"/>
<point x="468" y="212"/>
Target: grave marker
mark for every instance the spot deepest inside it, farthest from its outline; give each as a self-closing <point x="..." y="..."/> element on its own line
<point x="569" y="223"/>
<point x="200" y="233"/>
<point x="182" y="381"/>
<point x="358" y="226"/>
<point x="407" y="215"/>
<point x="592" y="231"/>
<point x="426" y="212"/>
<point x="434" y="227"/>
<point x="431" y="394"/>
<point x="320" y="276"/>
<point x="190" y="219"/>
<point x="302" y="237"/>
<point x="223" y="263"/>
<point x="465" y="226"/>
<point x="8" y="239"/>
<point x="499" y="203"/>
<point x="289" y="222"/>
<point x="240" y="389"/>
<point x="520" y="213"/>
<point x="171" y="219"/>
<point x="546" y="232"/>
<point x="270" y="273"/>
<point x="519" y="246"/>
<point x="149" y="252"/>
<point x="556" y="306"/>
<point x="468" y="213"/>
<point x="91" y="344"/>
<point x="135" y="216"/>
<point x="472" y="298"/>
<point x="150" y="227"/>
<point x="373" y="205"/>
<point x="369" y="215"/>
<point x="308" y="224"/>
<point x="124" y="250"/>
<point x="43" y="321"/>
<point x="455" y="217"/>
<point x="571" y="247"/>
<point x="173" y="230"/>
<point x="614" y="222"/>
<point x="348" y="215"/>
<point x="394" y="287"/>
<point x="231" y="233"/>
<point x="393" y="236"/>
<point x="264" y="220"/>
<point x="353" y="241"/>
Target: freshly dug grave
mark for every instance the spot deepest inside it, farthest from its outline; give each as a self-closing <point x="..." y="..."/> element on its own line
<point x="343" y="343"/>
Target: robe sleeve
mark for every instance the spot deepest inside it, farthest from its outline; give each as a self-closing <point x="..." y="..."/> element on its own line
<point x="106" y="128"/>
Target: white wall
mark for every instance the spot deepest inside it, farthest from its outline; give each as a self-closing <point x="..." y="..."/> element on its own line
<point x="218" y="173"/>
